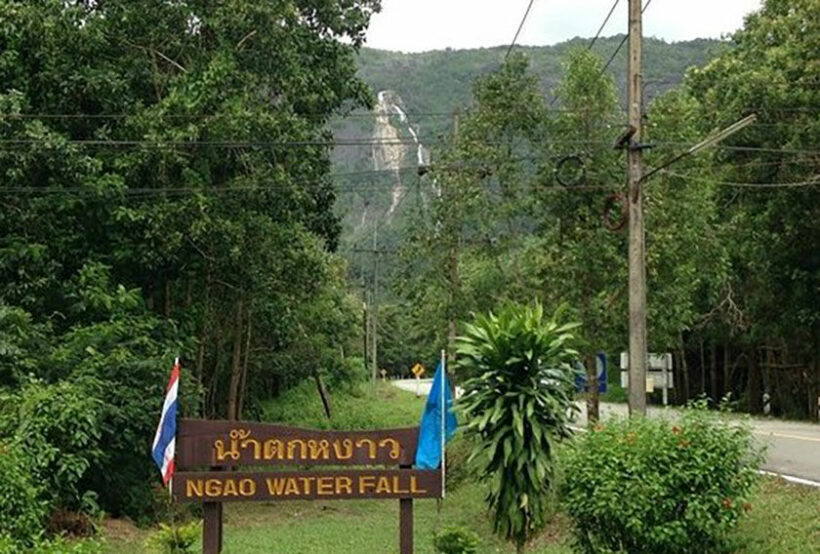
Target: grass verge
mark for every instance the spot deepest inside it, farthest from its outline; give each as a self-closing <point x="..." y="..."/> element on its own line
<point x="784" y="518"/>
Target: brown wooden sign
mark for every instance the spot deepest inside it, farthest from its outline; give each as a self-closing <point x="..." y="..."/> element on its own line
<point x="222" y="486"/>
<point x="208" y="446"/>
<point x="235" y="443"/>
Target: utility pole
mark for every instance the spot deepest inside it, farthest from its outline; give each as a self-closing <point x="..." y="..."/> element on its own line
<point x="365" y="314"/>
<point x="452" y="263"/>
<point x="374" y="309"/>
<point x="637" y="245"/>
<point x="366" y="329"/>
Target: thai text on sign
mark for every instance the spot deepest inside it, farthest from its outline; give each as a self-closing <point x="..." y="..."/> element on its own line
<point x="233" y="443"/>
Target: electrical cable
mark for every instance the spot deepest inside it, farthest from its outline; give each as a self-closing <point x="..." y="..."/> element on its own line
<point x="618" y="49"/>
<point x="601" y="28"/>
<point x="621" y="45"/>
<point x="520" y="26"/>
<point x="799" y="184"/>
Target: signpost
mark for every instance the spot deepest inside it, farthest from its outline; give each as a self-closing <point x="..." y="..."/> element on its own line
<point x="206" y="447"/>
<point x="418" y="371"/>
<point x="659" y="374"/>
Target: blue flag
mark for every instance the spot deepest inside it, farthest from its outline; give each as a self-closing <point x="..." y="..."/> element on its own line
<point x="428" y="454"/>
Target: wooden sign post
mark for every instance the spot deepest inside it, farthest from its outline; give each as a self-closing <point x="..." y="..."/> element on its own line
<point x="205" y="448"/>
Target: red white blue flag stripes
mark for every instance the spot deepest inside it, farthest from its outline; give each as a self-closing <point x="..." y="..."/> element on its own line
<point x="165" y="440"/>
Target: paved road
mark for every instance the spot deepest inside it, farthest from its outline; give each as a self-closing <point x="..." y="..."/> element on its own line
<point x="793" y="447"/>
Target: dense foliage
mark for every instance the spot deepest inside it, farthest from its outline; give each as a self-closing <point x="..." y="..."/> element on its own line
<point x="659" y="486"/>
<point x="22" y="513"/>
<point x="732" y="265"/>
<point x="765" y="319"/>
<point x="517" y="403"/>
<point x="164" y="192"/>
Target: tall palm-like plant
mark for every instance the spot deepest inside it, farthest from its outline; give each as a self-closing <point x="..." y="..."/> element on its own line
<point x="517" y="403"/>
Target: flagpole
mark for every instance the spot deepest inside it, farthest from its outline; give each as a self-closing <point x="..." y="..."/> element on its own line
<point x="443" y="418"/>
<point x="171" y="480"/>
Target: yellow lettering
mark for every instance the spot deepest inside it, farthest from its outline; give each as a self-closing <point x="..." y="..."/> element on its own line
<point x="397" y="486"/>
<point x="276" y="486"/>
<point x="247" y="487"/>
<point x="306" y="483"/>
<point x="291" y="486"/>
<point x="324" y="486"/>
<point x="230" y="488"/>
<point x="193" y="487"/>
<point x="414" y="486"/>
<point x="213" y="487"/>
<point x="344" y="483"/>
<point x="366" y="481"/>
<point x="383" y="485"/>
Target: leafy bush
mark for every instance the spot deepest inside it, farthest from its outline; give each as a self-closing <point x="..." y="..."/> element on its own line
<point x="22" y="513"/>
<point x="517" y="405"/>
<point x="456" y="540"/>
<point x="174" y="538"/>
<point x="458" y="468"/>
<point x="58" y="431"/>
<point x="656" y="486"/>
<point x="61" y="545"/>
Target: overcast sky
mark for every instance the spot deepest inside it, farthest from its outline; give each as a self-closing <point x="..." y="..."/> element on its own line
<point x="417" y="25"/>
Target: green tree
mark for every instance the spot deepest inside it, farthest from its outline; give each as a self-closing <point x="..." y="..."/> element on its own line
<point x="768" y="309"/>
<point x="574" y="258"/>
<point x="166" y="191"/>
<point x="517" y="403"/>
<point x="479" y="210"/>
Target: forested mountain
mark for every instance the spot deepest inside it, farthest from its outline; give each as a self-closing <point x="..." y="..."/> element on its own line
<point x="441" y="80"/>
<point x="428" y="87"/>
<point x="467" y="221"/>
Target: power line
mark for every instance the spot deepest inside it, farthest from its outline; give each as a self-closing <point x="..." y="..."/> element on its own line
<point x="57" y="142"/>
<point x="799" y="184"/>
<point x="621" y="45"/>
<point x="618" y="49"/>
<point x="520" y="26"/>
<point x="448" y="115"/>
<point x="104" y="116"/>
<point x="601" y="28"/>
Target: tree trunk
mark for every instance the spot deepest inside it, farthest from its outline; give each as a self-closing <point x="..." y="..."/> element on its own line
<point x="200" y="364"/>
<point x="755" y="393"/>
<point x="702" y="369"/>
<point x="683" y="368"/>
<point x="320" y="386"/>
<point x="593" y="399"/>
<point x="236" y="367"/>
<point x="243" y="383"/>
<point x="167" y="297"/>
<point x="713" y="376"/>
<point x="213" y="385"/>
<point x="727" y="373"/>
<point x="815" y="362"/>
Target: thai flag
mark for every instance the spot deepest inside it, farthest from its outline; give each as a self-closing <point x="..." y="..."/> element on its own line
<point x="165" y="439"/>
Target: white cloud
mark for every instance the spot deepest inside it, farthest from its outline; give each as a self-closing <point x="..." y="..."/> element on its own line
<point x="417" y="25"/>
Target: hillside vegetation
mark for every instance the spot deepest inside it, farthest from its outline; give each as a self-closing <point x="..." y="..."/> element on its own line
<point x="431" y="85"/>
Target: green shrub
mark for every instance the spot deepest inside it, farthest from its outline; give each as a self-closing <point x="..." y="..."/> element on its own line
<point x="61" y="545"/>
<point x="456" y="540"/>
<point x="458" y="455"/>
<point x="516" y="407"/>
<point x="174" y="538"/>
<point x="22" y="513"/>
<point x="58" y="431"/>
<point x="656" y="486"/>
